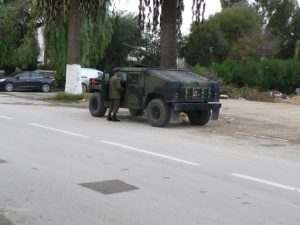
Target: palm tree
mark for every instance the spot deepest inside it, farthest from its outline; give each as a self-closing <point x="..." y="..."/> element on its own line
<point x="169" y="13"/>
<point x="71" y="11"/>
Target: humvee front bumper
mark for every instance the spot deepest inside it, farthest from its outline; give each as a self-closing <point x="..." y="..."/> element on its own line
<point x="185" y="107"/>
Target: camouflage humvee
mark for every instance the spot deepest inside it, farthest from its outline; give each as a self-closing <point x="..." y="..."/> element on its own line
<point x="159" y="92"/>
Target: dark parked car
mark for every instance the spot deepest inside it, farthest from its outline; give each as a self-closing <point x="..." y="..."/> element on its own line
<point x="27" y="80"/>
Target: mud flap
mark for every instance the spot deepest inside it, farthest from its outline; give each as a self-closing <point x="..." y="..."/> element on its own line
<point x="215" y="111"/>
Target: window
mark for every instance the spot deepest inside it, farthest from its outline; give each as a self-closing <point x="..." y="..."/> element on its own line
<point x="134" y="78"/>
<point x="23" y="76"/>
<point x="123" y="76"/>
<point x="36" y="75"/>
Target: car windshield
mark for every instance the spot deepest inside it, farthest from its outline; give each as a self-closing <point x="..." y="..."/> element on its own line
<point x="181" y="75"/>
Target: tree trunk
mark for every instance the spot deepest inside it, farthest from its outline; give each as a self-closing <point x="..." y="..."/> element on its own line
<point x="73" y="79"/>
<point x="168" y="44"/>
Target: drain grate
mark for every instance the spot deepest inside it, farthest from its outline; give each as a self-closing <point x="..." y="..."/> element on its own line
<point x="2" y="161"/>
<point x="110" y="186"/>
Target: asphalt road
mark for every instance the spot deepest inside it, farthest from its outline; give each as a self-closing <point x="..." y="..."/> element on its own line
<point x="60" y="166"/>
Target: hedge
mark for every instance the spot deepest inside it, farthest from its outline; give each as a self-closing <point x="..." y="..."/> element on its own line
<point x="268" y="74"/>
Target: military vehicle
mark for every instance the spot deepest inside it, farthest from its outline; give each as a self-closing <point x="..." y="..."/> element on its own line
<point x="159" y="92"/>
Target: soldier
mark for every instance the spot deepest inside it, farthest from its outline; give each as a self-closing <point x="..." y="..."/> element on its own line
<point x="115" y="91"/>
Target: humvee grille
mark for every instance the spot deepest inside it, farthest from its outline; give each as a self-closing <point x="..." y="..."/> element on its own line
<point x="197" y="94"/>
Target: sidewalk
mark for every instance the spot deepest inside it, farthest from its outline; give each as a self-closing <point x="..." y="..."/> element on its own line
<point x="35" y="98"/>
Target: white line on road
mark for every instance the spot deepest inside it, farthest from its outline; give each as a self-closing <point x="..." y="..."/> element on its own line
<point x="58" y="130"/>
<point x="151" y="153"/>
<point x="266" y="182"/>
<point x="5" y="117"/>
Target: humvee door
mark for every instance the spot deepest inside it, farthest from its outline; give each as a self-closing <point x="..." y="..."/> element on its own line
<point x="135" y="90"/>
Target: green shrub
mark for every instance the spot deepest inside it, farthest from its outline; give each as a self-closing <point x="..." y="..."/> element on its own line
<point x="205" y="72"/>
<point x="269" y="74"/>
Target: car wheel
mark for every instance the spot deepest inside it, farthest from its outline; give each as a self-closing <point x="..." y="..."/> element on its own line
<point x="96" y="105"/>
<point x="84" y="88"/>
<point x="199" y="118"/>
<point x="136" y="112"/>
<point x="9" y="87"/>
<point x="158" y="113"/>
<point x="45" y="88"/>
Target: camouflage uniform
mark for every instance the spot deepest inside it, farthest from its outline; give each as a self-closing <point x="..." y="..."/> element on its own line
<point x="115" y="91"/>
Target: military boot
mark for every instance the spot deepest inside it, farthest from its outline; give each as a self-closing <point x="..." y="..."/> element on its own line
<point x="115" y="119"/>
<point x="109" y="117"/>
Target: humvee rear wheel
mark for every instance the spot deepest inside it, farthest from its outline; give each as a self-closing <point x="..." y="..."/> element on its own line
<point x="96" y="105"/>
<point x="158" y="113"/>
<point x="199" y="118"/>
<point x="136" y="112"/>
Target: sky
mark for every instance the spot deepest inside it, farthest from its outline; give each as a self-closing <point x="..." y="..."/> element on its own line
<point x="212" y="7"/>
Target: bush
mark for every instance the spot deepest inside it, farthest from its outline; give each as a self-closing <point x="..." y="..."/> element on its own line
<point x="205" y="72"/>
<point x="269" y="74"/>
<point x="251" y="94"/>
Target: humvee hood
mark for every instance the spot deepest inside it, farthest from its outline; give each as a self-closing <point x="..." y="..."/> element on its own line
<point x="186" y="78"/>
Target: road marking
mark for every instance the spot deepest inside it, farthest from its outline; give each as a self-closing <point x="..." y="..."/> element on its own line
<point x="265" y="137"/>
<point x="151" y="153"/>
<point x="5" y="117"/>
<point x="57" y="130"/>
<point x="265" y="182"/>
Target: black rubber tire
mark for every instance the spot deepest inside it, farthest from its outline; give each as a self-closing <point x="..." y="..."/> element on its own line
<point x="9" y="87"/>
<point x="96" y="105"/>
<point x="136" y="112"/>
<point x="158" y="113"/>
<point x="46" y="88"/>
<point x="199" y="118"/>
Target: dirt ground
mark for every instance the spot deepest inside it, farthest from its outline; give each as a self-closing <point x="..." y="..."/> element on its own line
<point x="238" y="118"/>
<point x="278" y="121"/>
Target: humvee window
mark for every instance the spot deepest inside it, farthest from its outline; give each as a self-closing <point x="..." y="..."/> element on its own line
<point x="134" y="78"/>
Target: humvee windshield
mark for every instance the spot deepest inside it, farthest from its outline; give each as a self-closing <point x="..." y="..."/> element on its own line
<point x="181" y="76"/>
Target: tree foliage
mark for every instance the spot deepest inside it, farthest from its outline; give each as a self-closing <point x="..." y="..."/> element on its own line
<point x="281" y="18"/>
<point x="125" y="36"/>
<point x="206" y="44"/>
<point x="56" y="10"/>
<point x="95" y="37"/>
<point x="235" y="33"/>
<point x="230" y="3"/>
<point x="167" y="14"/>
<point x="18" y="44"/>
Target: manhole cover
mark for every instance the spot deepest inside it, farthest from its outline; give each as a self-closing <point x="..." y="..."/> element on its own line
<point x="2" y="161"/>
<point x="110" y="186"/>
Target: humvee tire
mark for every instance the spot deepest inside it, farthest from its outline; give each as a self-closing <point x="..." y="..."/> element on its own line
<point x="199" y="118"/>
<point x="158" y="113"/>
<point x="136" y="112"/>
<point x="96" y="105"/>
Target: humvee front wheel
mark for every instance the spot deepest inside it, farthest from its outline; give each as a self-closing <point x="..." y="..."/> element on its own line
<point x="199" y="118"/>
<point x="158" y="113"/>
<point x="136" y="112"/>
<point x="96" y="105"/>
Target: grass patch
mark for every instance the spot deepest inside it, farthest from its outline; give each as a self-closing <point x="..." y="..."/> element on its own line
<point x="65" y="97"/>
